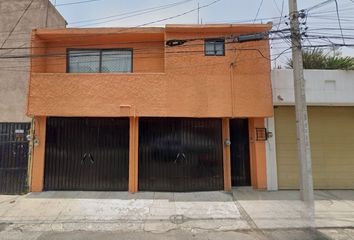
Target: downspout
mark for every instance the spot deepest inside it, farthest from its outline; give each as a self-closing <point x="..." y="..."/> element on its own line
<point x="30" y="139"/>
<point x="232" y="69"/>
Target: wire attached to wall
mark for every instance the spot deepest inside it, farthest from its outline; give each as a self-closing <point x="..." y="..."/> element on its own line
<point x="17" y="22"/>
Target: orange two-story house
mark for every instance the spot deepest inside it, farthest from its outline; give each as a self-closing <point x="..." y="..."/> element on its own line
<point x="179" y="108"/>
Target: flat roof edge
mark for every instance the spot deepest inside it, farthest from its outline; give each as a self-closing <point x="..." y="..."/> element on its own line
<point x="88" y="31"/>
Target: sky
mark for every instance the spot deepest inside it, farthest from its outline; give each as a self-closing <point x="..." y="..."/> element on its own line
<point x="110" y="12"/>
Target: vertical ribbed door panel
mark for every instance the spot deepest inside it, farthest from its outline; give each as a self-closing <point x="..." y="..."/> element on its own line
<point x="180" y="154"/>
<point x="87" y="154"/>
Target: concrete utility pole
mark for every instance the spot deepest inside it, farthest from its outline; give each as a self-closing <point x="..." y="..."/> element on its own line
<point x="303" y="139"/>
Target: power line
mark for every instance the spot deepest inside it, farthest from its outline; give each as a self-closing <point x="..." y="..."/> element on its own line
<point x="243" y="20"/>
<point x="339" y="22"/>
<point x="276" y="56"/>
<point x="281" y="12"/>
<point x="276" y="5"/>
<point x="152" y="10"/>
<point x="129" y="14"/>
<point x="18" y="10"/>
<point x="231" y="21"/>
<point x="280" y="19"/>
<point x="310" y="36"/>
<point x="181" y="14"/>
<point x="17" y="22"/>
<point x="328" y="45"/>
<point x="128" y="28"/>
<point x="136" y="51"/>
<point x="131" y="42"/>
<point x="259" y="8"/>
<point x="281" y="38"/>
<point x="318" y="5"/>
<point x="59" y="38"/>
<point x="75" y="3"/>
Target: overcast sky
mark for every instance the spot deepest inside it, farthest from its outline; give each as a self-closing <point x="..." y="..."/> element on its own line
<point x="225" y="11"/>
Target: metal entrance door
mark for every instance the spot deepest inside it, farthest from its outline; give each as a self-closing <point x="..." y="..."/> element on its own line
<point x="240" y="154"/>
<point x="13" y="157"/>
<point x="180" y="154"/>
<point x="87" y="154"/>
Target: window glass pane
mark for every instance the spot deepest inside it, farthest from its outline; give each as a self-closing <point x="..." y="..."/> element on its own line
<point x="209" y="48"/>
<point x="116" y="61"/>
<point x="84" y="61"/>
<point x="219" y="48"/>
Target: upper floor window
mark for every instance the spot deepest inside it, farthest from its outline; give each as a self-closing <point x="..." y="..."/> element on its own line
<point x="104" y="60"/>
<point x="214" y="47"/>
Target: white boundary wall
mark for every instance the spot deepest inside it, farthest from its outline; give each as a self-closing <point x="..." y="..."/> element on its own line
<point x="323" y="88"/>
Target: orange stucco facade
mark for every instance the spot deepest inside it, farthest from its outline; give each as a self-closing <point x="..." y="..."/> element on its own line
<point x="166" y="81"/>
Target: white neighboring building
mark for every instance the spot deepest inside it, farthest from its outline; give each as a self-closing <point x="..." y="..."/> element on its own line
<point x="330" y="100"/>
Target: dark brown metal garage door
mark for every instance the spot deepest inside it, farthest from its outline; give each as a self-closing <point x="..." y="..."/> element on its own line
<point x="180" y="154"/>
<point x="87" y="154"/>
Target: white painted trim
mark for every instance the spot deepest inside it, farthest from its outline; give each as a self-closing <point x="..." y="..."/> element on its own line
<point x="271" y="158"/>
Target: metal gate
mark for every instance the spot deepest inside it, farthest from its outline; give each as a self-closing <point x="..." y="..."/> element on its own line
<point x="13" y="157"/>
<point x="180" y="154"/>
<point x="240" y="155"/>
<point x="87" y="154"/>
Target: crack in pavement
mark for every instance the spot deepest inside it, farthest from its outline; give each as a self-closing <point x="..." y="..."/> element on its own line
<point x="249" y="220"/>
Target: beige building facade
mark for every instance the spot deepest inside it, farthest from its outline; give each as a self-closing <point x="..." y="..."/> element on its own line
<point x="18" y="18"/>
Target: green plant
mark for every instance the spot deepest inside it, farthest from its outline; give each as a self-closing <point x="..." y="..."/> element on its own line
<point x="318" y="59"/>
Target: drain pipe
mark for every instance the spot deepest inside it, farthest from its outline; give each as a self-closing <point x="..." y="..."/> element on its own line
<point x="30" y="138"/>
<point x="232" y="69"/>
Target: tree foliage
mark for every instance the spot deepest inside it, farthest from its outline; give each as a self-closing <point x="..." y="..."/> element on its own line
<point x="318" y="59"/>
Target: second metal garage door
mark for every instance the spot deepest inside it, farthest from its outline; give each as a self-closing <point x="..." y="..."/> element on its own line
<point x="180" y="154"/>
<point x="332" y="147"/>
<point x="87" y="154"/>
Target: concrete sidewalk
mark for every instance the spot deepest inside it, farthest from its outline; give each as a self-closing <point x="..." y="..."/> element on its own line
<point x="146" y="212"/>
<point x="283" y="209"/>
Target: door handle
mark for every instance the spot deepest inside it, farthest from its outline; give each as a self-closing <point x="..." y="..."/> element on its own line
<point x="179" y="156"/>
<point x="90" y="157"/>
<point x="83" y="159"/>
